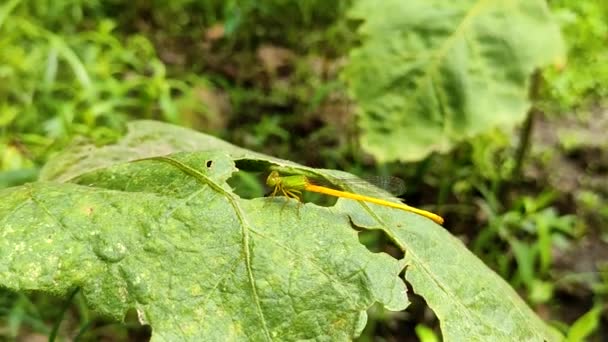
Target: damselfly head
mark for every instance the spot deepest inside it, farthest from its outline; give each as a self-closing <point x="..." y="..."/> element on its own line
<point x="273" y="179"/>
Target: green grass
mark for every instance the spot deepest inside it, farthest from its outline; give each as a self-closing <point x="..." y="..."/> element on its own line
<point x="584" y="77"/>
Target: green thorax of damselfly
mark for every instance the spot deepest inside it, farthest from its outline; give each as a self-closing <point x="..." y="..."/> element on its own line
<point x="295" y="182"/>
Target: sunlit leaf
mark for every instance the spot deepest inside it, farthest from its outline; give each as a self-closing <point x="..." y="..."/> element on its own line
<point x="430" y="73"/>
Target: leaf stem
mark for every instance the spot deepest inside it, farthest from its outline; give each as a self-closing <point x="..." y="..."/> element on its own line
<point x="65" y="308"/>
<point x="526" y="131"/>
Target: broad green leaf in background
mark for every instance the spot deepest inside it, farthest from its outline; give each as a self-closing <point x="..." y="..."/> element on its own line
<point x="173" y="241"/>
<point x="430" y="73"/>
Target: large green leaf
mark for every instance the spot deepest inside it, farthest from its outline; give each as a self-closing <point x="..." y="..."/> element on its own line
<point x="430" y="73"/>
<point x="168" y="237"/>
<point x="195" y="260"/>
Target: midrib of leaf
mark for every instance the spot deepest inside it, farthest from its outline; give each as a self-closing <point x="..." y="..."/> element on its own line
<point x="421" y="265"/>
<point x="245" y="226"/>
<point x="312" y="261"/>
<point x="441" y="55"/>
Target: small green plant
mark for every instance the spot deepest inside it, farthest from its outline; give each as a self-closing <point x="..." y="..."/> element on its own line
<point x="530" y="228"/>
<point x="585" y="325"/>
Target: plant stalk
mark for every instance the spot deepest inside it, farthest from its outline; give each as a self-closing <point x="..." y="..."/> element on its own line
<point x="528" y="127"/>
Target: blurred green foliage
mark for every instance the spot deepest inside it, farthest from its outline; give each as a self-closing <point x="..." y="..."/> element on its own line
<point x="464" y="74"/>
<point x="62" y="78"/>
<point x="585" y="325"/>
<point x="585" y="75"/>
<point x="530" y="229"/>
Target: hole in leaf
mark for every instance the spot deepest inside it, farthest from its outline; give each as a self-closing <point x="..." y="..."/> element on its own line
<point x="418" y="313"/>
<point x="402" y="325"/>
<point x="377" y="241"/>
<point x="209" y="163"/>
<point x="253" y="185"/>
<point x="250" y="169"/>
<point x="247" y="184"/>
<point x="252" y="165"/>
<point x="131" y="330"/>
